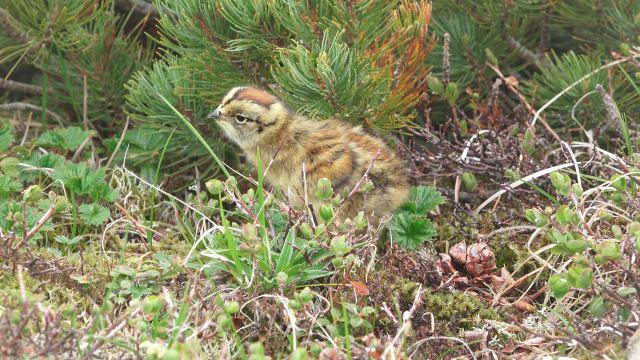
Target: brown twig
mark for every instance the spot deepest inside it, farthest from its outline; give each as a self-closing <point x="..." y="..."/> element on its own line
<point x="521" y="97"/>
<point x="525" y="53"/>
<point x="112" y="330"/>
<point x="20" y="106"/>
<point x="43" y="220"/>
<point x="16" y="86"/>
<point x="141" y="230"/>
<point x="406" y="322"/>
<point x="366" y="173"/>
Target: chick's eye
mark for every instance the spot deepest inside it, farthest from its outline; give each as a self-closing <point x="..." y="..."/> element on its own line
<point x="241" y="119"/>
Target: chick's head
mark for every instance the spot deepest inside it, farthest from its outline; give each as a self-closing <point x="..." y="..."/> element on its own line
<point x="250" y="116"/>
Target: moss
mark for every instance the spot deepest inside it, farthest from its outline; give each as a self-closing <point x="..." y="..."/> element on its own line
<point x="452" y="311"/>
<point x="55" y="295"/>
<point x="457" y="309"/>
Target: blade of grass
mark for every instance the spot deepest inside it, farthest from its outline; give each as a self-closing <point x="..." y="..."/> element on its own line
<point x="67" y="83"/>
<point x="543" y="192"/>
<point x="635" y="87"/>
<point x="231" y="244"/>
<point x="197" y="135"/>
<point x="261" y="216"/>
<point x="45" y="76"/>
<point x="347" y="338"/>
<point x="625" y="133"/>
<point x="155" y="183"/>
<point x="623" y="122"/>
<point x="183" y="314"/>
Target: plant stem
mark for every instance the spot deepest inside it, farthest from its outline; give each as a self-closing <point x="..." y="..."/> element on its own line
<point x="43" y="220"/>
<point x="347" y="338"/>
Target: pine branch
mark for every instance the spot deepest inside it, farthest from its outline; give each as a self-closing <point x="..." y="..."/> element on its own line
<point x="7" y="24"/>
<point x="11" y="85"/>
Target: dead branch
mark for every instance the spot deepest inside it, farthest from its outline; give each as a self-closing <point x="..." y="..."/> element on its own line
<point x="20" y="106"/>
<point x="43" y="220"/>
<point x="525" y="53"/>
<point x="11" y="85"/>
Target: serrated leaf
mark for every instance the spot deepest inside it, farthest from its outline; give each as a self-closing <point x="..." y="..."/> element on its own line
<point x="81" y="179"/>
<point x="410" y="230"/>
<point x="422" y="199"/>
<point x="9" y="166"/>
<point x="94" y="214"/>
<point x="139" y="291"/>
<point x="8" y="187"/>
<point x="65" y="240"/>
<point x="164" y="260"/>
<point x="6" y="136"/>
<point x="68" y="138"/>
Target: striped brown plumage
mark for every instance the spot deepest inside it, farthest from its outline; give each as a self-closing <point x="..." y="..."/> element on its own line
<point x="332" y="149"/>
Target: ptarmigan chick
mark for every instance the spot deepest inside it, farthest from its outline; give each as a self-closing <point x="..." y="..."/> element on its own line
<point x="253" y="119"/>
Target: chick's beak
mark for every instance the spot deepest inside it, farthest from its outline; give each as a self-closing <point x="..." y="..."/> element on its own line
<point x="215" y="114"/>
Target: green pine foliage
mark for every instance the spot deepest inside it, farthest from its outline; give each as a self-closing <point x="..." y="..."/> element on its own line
<point x="70" y="41"/>
<point x="362" y="62"/>
<point x="582" y="100"/>
<point x="547" y="45"/>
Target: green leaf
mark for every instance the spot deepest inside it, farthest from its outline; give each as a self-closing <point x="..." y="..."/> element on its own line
<point x="559" y="285"/>
<point x="580" y="277"/>
<point x="82" y="180"/>
<point x="9" y="166"/>
<point x="626" y="291"/>
<point x="618" y="182"/>
<point x="324" y="189"/>
<point x="561" y="182"/>
<point x="422" y="199"/>
<point x="451" y="93"/>
<point x="68" y="138"/>
<point x="599" y="307"/>
<point x="65" y="240"/>
<point x="101" y="191"/>
<point x="314" y="272"/>
<point x="557" y="236"/>
<point x="356" y="321"/>
<point x="94" y="214"/>
<point x="609" y="250"/>
<point x="287" y="252"/>
<point x="536" y="217"/>
<point x="8" y="187"/>
<point x="6" y="136"/>
<point x="339" y="245"/>
<point x="410" y="230"/>
<point x="469" y="181"/>
<point x="565" y="215"/>
<point x="529" y="143"/>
